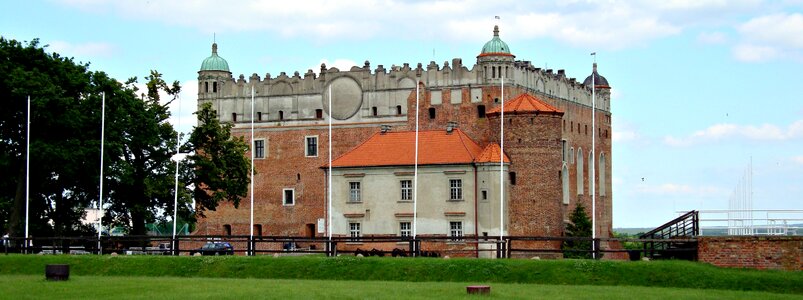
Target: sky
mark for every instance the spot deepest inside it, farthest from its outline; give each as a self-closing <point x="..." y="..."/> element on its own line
<point x="701" y="90"/>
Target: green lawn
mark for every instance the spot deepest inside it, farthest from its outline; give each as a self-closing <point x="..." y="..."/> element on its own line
<point x="392" y="277"/>
<point x="120" y="287"/>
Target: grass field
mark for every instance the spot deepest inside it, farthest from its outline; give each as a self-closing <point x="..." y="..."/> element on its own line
<point x="118" y="287"/>
<point x="371" y="278"/>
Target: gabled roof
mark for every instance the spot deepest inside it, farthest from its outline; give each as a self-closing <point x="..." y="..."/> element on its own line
<point x="435" y="147"/>
<point x="491" y="154"/>
<point x="525" y="104"/>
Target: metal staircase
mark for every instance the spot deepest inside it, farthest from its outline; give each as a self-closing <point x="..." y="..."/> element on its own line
<point x="677" y="239"/>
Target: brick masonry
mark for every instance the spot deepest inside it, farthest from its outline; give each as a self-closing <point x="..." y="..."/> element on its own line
<point x="757" y="252"/>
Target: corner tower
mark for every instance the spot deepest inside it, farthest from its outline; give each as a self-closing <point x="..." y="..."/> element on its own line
<point x="213" y="76"/>
<point x="495" y="60"/>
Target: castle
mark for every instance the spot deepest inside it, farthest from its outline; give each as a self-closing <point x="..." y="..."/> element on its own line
<point x="547" y="147"/>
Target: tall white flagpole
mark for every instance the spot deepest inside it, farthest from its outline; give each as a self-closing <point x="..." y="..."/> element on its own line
<point x="102" y="141"/>
<point x="329" y="179"/>
<point x="415" y="166"/>
<point x="175" y="188"/>
<point x="251" y="232"/>
<point x="27" y="173"/>
<point x="502" y="165"/>
<point x="593" y="159"/>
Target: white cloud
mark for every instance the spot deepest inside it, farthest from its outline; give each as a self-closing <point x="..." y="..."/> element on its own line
<point x="674" y="189"/>
<point x="341" y="64"/>
<point x="598" y="24"/>
<point x="771" y="37"/>
<point x="764" y="132"/>
<point x="798" y="159"/>
<point x="712" y="38"/>
<point x="90" y="49"/>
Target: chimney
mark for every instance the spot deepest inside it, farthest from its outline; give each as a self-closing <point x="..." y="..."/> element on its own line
<point x="450" y="126"/>
<point x="384" y="128"/>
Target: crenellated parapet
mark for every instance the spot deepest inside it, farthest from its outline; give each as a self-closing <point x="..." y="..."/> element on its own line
<point x="363" y="94"/>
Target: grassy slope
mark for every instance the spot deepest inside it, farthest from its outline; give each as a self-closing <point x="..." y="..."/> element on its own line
<point x="557" y="272"/>
<point x="113" y="287"/>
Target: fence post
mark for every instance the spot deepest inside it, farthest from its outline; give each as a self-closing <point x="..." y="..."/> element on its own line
<point x="176" y="251"/>
<point x="596" y="248"/>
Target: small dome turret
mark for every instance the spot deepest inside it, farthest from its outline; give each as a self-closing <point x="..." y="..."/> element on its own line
<point x="214" y="62"/>
<point x="599" y="80"/>
<point x="495" y="46"/>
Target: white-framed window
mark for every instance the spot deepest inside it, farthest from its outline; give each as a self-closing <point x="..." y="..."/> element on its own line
<point x="406" y="190"/>
<point x="455" y="189"/>
<point x="311" y="146"/>
<point x="456" y="230"/>
<point x="354" y="231"/>
<point x="288" y="197"/>
<point x="259" y="148"/>
<point x="564" y="150"/>
<point x="565" y="183"/>
<point x="405" y="229"/>
<point x="354" y="191"/>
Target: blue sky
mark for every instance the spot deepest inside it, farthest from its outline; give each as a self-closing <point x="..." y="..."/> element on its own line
<point x="699" y="87"/>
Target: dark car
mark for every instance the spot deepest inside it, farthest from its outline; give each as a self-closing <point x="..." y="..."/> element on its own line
<point x="215" y="248"/>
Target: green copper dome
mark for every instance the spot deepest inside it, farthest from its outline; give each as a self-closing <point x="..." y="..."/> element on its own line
<point x="495" y="45"/>
<point x="215" y="62"/>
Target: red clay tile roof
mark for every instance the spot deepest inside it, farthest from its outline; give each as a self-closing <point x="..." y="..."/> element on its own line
<point x="491" y="155"/>
<point x="525" y="103"/>
<point x="436" y="147"/>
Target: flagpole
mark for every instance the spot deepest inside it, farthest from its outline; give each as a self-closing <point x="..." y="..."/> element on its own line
<point x="102" y="141"/>
<point x="502" y="165"/>
<point x="415" y="166"/>
<point x="175" y="189"/>
<point x="251" y="232"/>
<point x="329" y="180"/>
<point x="593" y="157"/>
<point x="27" y="173"/>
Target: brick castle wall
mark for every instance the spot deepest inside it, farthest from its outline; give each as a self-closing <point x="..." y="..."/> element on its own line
<point x="758" y="252"/>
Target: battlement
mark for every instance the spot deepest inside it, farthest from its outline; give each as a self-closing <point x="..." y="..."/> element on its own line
<point x="379" y="92"/>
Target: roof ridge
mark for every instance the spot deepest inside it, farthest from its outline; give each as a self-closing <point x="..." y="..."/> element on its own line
<point x="463" y="142"/>
<point x="355" y="148"/>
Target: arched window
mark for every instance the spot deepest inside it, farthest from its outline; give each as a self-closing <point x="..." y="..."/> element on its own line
<point x="592" y="181"/>
<point x="431" y="113"/>
<point x="373" y="111"/>
<point x="258" y="229"/>
<point x="480" y="111"/>
<point x="493" y="72"/>
<point x="565" y="182"/>
<point x="214" y="87"/>
<point x="206" y="87"/>
<point x="281" y="115"/>
<point x="227" y="229"/>
<point x="571" y="155"/>
<point x="602" y="182"/>
<point x="580" y="171"/>
<point x="398" y="110"/>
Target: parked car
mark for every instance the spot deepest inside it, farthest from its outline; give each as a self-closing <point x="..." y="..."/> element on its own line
<point x="215" y="248"/>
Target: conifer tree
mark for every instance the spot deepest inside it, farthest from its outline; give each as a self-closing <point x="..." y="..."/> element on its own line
<point x="580" y="226"/>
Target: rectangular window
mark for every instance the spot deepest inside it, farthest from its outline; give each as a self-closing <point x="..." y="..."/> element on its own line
<point x="405" y="229"/>
<point x="259" y="148"/>
<point x="455" y="189"/>
<point x="484" y="194"/>
<point x="311" y="149"/>
<point x="354" y="192"/>
<point x="407" y="190"/>
<point x="354" y="231"/>
<point x="456" y="230"/>
<point x="289" y="197"/>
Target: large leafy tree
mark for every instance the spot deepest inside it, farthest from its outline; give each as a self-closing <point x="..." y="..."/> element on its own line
<point x="580" y="226"/>
<point x="64" y="134"/>
<point x="219" y="164"/>
<point x="141" y="143"/>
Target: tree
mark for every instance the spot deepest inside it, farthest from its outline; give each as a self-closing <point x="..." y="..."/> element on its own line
<point x="580" y="226"/>
<point x="64" y="135"/>
<point x="221" y="170"/>
<point x="141" y="143"/>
